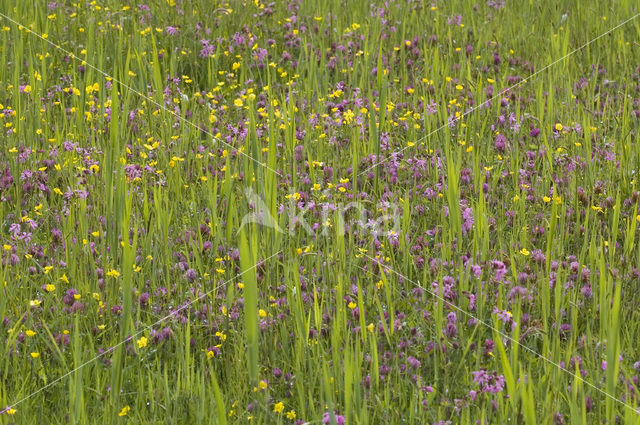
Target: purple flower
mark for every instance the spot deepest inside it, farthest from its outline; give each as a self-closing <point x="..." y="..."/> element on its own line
<point x="501" y="142"/>
<point x="500" y="268"/>
<point x="455" y="20"/>
<point x="496" y="4"/>
<point x="190" y="275"/>
<point x="333" y="418"/>
<point x="503" y="315"/>
<point x="413" y="362"/>
<point x="480" y="377"/>
<point x="488" y="382"/>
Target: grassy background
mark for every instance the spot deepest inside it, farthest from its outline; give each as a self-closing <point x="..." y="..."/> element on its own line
<point x="122" y="202"/>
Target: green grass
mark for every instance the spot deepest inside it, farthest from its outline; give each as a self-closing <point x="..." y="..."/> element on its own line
<point x="133" y="293"/>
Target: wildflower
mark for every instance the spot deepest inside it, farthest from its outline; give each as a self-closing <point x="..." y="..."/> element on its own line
<point x="263" y="385"/>
<point x="413" y="362"/>
<point x="278" y="407"/>
<point x="339" y="419"/>
<point x="504" y="315"/>
<point x="488" y="382"/>
<point x="35" y="355"/>
<point x="238" y="103"/>
<point x="558" y="127"/>
<point x="524" y="252"/>
<point x="210" y="354"/>
<point x="142" y="342"/>
<point x="291" y="414"/>
<point x="10" y="411"/>
<point x="113" y="273"/>
<point x="262" y="313"/>
<point x="50" y="287"/>
<point x="124" y="411"/>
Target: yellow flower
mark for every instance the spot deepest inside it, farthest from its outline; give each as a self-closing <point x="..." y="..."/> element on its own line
<point x="278" y="407"/>
<point x="35" y="355"/>
<point x="211" y="354"/>
<point x="238" y="103"/>
<point x="263" y="385"/>
<point x="352" y="305"/>
<point x="559" y="127"/>
<point x="6" y="247"/>
<point x="546" y="199"/>
<point x="113" y="273"/>
<point x="50" y="287"/>
<point x="30" y="332"/>
<point x="262" y="313"/>
<point x="11" y="411"/>
<point x="291" y="414"/>
<point x="524" y="252"/>
<point x="142" y="342"/>
<point x="124" y="411"/>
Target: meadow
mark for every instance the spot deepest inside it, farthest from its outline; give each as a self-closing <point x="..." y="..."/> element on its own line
<point x="320" y="212"/>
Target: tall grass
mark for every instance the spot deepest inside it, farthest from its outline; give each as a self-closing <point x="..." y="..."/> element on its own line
<point x="135" y="266"/>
